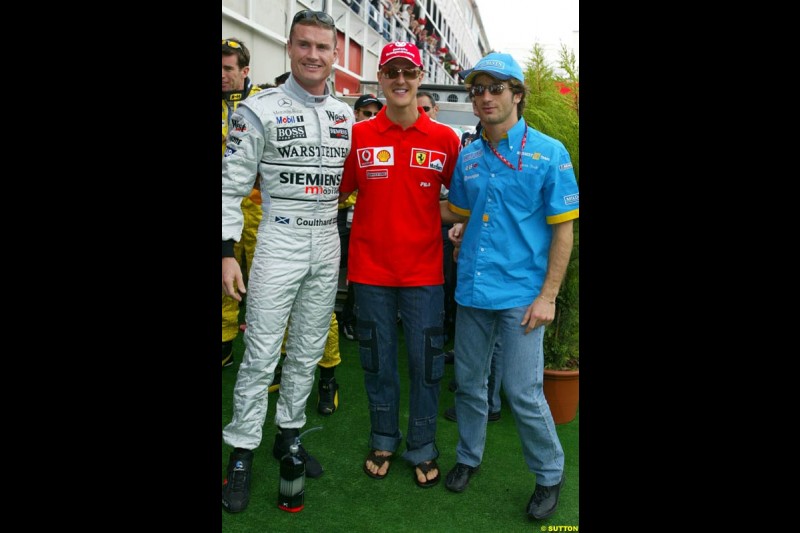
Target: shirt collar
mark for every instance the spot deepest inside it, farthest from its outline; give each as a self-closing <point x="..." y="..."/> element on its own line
<point x="423" y="123"/>
<point x="513" y="136"/>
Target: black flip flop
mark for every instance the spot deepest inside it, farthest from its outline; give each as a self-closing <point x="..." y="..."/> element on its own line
<point x="425" y="468"/>
<point x="377" y="460"/>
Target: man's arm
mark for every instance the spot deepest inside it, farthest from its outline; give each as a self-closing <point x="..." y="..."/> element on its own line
<point x="240" y="169"/>
<point x="558" y="259"/>
<point x="239" y="174"/>
<point x="543" y="308"/>
<point x="344" y="195"/>
<point x="448" y="217"/>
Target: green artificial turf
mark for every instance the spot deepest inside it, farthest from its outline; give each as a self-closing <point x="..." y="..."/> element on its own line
<point x="346" y="500"/>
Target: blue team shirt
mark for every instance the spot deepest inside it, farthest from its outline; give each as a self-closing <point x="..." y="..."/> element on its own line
<point x="504" y="254"/>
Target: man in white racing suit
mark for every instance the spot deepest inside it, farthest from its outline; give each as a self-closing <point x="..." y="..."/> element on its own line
<point x="297" y="137"/>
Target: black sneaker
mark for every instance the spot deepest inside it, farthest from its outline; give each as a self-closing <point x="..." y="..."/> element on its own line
<point x="285" y="438"/>
<point x="227" y="353"/>
<point x="450" y="414"/>
<point x="236" y="487"/>
<point x="276" y="379"/>
<point x="349" y="331"/>
<point x="544" y="501"/>
<point x="328" y="396"/>
<point x="458" y="478"/>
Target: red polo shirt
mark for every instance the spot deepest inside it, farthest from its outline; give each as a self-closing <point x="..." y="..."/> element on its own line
<point x="396" y="236"/>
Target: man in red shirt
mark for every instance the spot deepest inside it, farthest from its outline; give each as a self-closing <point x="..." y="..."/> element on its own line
<point x="398" y="162"/>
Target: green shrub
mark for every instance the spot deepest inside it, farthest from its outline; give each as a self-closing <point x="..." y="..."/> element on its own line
<point x="556" y="114"/>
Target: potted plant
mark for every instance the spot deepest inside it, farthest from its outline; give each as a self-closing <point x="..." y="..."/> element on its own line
<point x="552" y="108"/>
<point x="561" y="347"/>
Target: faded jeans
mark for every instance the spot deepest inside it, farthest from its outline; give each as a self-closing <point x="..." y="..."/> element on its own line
<point x="521" y="373"/>
<point x="421" y="310"/>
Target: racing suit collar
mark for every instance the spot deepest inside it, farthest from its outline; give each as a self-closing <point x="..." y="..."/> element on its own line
<point x="293" y="89"/>
<point x="238" y="96"/>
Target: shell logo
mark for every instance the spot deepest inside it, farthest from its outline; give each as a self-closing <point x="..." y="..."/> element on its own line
<point x="383" y="156"/>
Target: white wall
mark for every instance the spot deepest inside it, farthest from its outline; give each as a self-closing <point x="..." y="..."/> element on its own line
<point x="262" y="24"/>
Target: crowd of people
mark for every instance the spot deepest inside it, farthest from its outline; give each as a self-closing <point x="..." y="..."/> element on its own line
<point x="480" y="259"/>
<point x="403" y="20"/>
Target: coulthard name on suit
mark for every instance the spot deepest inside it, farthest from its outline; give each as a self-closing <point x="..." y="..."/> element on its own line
<point x="300" y="221"/>
<point x="315" y="221"/>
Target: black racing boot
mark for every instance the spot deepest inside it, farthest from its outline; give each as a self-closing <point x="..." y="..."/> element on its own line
<point x="227" y="353"/>
<point x="276" y="379"/>
<point x="328" y="396"/>
<point x="236" y="487"/>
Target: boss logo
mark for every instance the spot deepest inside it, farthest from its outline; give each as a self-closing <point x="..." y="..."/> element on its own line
<point x="288" y="134"/>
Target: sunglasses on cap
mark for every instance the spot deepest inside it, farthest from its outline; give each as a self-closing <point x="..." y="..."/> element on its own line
<point x="495" y="89"/>
<point x="308" y="14"/>
<point x="231" y="44"/>
<point x="364" y="112"/>
<point x="408" y="73"/>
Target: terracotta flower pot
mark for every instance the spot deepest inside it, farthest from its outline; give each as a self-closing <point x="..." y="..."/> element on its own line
<point x="561" y="391"/>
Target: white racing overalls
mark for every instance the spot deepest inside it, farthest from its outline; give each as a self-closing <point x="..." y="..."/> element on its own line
<point x="298" y="143"/>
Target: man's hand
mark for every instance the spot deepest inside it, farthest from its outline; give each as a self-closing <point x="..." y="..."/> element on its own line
<point x="456" y="235"/>
<point x="232" y="272"/>
<point x="541" y="312"/>
<point x="543" y="309"/>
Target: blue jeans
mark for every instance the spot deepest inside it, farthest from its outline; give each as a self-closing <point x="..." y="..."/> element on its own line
<point x="422" y="312"/>
<point x="522" y="376"/>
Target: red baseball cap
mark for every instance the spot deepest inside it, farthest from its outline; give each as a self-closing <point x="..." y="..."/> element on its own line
<point x="400" y="50"/>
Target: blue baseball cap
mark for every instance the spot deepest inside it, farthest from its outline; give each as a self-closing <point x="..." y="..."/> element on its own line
<point x="497" y="65"/>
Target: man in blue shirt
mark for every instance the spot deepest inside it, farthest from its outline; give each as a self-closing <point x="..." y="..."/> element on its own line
<point x="517" y="191"/>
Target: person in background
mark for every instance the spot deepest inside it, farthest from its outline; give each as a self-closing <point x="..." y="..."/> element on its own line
<point x="367" y="106"/>
<point x="280" y="80"/>
<point x="468" y="136"/>
<point x="284" y="134"/>
<point x="236" y="87"/>
<point x="428" y="103"/>
<point x="515" y="188"/>
<point x="398" y="162"/>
